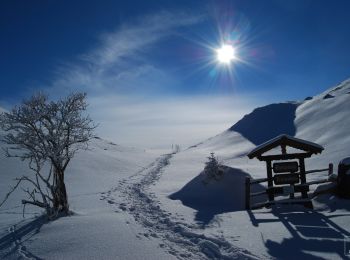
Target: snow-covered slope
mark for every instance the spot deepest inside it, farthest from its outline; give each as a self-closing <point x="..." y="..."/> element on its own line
<point x="323" y="119"/>
<point x="95" y="231"/>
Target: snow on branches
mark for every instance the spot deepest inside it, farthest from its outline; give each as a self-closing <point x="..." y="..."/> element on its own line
<point x="212" y="169"/>
<point x="42" y="131"/>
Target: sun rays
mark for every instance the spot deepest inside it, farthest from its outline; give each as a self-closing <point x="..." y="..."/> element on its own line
<point x="226" y="54"/>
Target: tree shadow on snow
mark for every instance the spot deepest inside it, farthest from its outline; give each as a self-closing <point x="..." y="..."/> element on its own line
<point x="310" y="232"/>
<point x="267" y="122"/>
<point x="11" y="243"/>
<point x="216" y="197"/>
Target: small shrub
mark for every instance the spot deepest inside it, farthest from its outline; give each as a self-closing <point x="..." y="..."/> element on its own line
<point x="212" y="169"/>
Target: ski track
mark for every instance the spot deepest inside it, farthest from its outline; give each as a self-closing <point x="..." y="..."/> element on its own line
<point x="182" y="240"/>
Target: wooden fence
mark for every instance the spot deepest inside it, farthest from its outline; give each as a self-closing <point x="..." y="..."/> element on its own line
<point x="278" y="190"/>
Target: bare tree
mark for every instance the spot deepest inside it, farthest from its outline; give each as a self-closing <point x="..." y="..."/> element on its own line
<point x="47" y="132"/>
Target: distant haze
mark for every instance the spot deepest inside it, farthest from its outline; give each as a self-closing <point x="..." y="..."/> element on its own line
<point x="161" y="123"/>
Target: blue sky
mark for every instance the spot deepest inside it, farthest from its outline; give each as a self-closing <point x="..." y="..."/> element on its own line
<point x="150" y="68"/>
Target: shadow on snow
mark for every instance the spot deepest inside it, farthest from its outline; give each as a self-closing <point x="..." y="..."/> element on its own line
<point x="310" y="232"/>
<point x="270" y="121"/>
<point x="216" y="197"/>
<point x="11" y="243"/>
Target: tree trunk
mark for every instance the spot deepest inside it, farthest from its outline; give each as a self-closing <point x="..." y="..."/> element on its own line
<point x="60" y="200"/>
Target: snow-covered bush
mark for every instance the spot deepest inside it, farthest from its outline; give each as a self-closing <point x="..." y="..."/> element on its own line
<point x="212" y="170"/>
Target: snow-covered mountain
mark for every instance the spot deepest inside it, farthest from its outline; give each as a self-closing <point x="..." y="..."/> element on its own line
<point x="323" y="119"/>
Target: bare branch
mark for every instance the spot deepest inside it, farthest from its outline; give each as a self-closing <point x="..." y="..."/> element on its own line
<point x="36" y="203"/>
<point x="42" y="131"/>
<point x="23" y="210"/>
<point x="11" y="191"/>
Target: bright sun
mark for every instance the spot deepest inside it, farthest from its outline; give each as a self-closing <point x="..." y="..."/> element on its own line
<point x="226" y="54"/>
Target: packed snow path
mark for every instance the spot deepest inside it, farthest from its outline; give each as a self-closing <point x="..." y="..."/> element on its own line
<point x="179" y="239"/>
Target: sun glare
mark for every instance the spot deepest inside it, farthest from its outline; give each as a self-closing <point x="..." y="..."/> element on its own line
<point x="226" y="54"/>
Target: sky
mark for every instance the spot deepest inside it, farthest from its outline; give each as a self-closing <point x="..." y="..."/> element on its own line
<point x="150" y="68"/>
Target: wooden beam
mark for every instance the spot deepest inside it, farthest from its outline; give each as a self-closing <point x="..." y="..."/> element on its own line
<point x="247" y="193"/>
<point x="315" y="182"/>
<point x="319" y="170"/>
<point x="279" y="189"/>
<point x="330" y="169"/>
<point x="285" y="201"/>
<point x="269" y="179"/>
<point x="302" y="176"/>
<point x="258" y="193"/>
<point x="283" y="149"/>
<point x="290" y="201"/>
<point x="254" y="181"/>
<point x="284" y="156"/>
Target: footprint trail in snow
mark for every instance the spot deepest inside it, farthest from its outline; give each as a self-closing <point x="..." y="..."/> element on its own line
<point x="182" y="240"/>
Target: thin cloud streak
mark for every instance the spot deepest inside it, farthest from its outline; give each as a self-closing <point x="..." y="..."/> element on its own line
<point x="118" y="63"/>
<point x="131" y="39"/>
<point x="127" y="93"/>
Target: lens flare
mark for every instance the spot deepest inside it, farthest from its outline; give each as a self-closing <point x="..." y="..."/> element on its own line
<point x="226" y="54"/>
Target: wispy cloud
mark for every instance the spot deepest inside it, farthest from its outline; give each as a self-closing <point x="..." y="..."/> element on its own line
<point x="131" y="39"/>
<point x="123" y="88"/>
<point x="118" y="63"/>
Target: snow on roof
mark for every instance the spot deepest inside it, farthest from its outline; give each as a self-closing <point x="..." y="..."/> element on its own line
<point x="286" y="140"/>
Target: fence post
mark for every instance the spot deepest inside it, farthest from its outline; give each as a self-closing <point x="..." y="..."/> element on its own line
<point x="247" y="193"/>
<point x="269" y="180"/>
<point x="330" y="169"/>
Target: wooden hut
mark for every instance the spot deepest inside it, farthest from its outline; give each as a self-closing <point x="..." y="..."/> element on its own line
<point x="285" y="166"/>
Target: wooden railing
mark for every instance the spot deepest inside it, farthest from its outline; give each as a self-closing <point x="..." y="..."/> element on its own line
<point x="280" y="189"/>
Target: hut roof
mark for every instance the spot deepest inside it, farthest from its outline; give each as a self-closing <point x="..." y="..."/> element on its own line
<point x="286" y="140"/>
